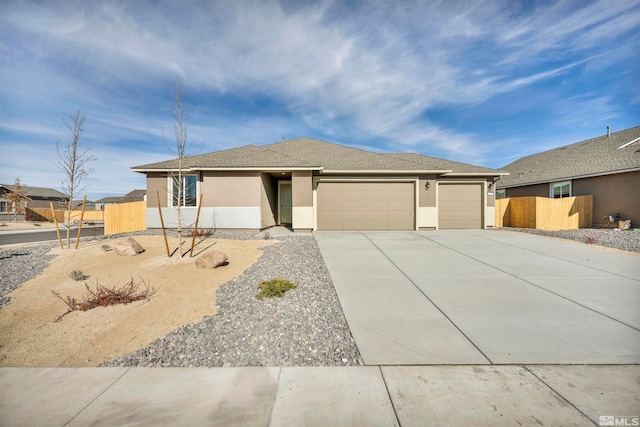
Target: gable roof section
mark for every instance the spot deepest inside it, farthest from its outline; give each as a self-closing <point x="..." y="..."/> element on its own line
<point x="312" y="154"/>
<point x="38" y="192"/>
<point x="603" y="155"/>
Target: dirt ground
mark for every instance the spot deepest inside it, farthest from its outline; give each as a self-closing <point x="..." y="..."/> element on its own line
<point x="29" y="335"/>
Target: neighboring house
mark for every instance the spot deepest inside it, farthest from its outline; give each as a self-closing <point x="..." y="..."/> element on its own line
<point x="37" y="197"/>
<point x="317" y="185"/>
<point x="606" y="167"/>
<point x="133" y="196"/>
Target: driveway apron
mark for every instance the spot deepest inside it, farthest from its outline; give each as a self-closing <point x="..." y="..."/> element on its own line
<point x="484" y="296"/>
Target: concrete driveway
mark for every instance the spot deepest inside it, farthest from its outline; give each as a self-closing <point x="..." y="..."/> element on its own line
<point x="484" y="297"/>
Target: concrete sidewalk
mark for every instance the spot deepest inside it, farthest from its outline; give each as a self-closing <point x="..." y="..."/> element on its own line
<point x="484" y="297"/>
<point x="318" y="396"/>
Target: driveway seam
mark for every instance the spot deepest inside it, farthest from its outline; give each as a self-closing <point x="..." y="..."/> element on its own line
<point x="533" y="284"/>
<point x="96" y="398"/>
<point x="386" y="387"/>
<point x="394" y="341"/>
<point x="526" y="368"/>
<point x="549" y="256"/>
<point x="427" y="297"/>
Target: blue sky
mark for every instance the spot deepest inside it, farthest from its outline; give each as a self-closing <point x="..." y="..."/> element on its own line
<point x="483" y="82"/>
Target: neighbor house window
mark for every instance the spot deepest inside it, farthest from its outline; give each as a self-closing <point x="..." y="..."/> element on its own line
<point x="189" y="190"/>
<point x="501" y="194"/>
<point x="561" y="189"/>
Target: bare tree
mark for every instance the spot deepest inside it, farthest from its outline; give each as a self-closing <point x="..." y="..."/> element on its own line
<point x="73" y="163"/>
<point x="17" y="196"/>
<point x="183" y="191"/>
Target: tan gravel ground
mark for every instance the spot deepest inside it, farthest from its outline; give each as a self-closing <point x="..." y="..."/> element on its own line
<point x="30" y="335"/>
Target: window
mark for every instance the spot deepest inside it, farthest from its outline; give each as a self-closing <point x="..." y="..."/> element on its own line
<point x="560" y="189"/>
<point x="189" y="191"/>
<point x="501" y="194"/>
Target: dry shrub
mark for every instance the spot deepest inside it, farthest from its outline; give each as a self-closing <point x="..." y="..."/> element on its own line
<point x="201" y="232"/>
<point x="102" y="296"/>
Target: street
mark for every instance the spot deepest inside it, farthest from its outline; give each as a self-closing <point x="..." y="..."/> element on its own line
<point x="18" y="236"/>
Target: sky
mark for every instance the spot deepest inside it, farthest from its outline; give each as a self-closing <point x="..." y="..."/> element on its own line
<point x="481" y="82"/>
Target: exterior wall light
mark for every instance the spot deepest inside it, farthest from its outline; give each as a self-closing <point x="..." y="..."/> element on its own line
<point x="427" y="185"/>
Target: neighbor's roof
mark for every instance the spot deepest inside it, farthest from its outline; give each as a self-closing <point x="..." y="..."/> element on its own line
<point x="132" y="196"/>
<point x="38" y="192"/>
<point x="619" y="152"/>
<point x="308" y="153"/>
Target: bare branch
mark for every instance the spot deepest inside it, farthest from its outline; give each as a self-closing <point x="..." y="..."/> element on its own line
<point x="72" y="163"/>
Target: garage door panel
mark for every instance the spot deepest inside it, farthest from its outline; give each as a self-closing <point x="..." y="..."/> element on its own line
<point x="366" y="206"/>
<point x="460" y="206"/>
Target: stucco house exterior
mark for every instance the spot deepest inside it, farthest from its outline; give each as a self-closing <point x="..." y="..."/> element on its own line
<point x="37" y="197"/>
<point x="316" y="185"/>
<point x="606" y="167"/>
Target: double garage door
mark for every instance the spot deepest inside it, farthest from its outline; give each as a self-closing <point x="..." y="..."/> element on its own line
<point x="366" y="206"/>
<point x="391" y="205"/>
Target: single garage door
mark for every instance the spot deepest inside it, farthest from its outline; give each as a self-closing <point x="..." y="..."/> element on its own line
<point x="459" y="205"/>
<point x="366" y="206"/>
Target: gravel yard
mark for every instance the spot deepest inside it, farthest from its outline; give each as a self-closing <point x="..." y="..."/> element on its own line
<point x="304" y="328"/>
<point x="626" y="240"/>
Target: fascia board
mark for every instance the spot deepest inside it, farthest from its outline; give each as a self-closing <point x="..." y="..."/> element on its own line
<point x="382" y="172"/>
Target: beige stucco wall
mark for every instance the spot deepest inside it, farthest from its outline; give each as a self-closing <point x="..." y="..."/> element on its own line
<point x="268" y="201"/>
<point x="427" y="198"/>
<point x="619" y="193"/>
<point x="302" y="189"/>
<point x="156" y="182"/>
<point x="540" y="190"/>
<point x="231" y="189"/>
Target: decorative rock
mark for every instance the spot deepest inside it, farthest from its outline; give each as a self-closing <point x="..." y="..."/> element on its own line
<point x="128" y="247"/>
<point x="212" y="259"/>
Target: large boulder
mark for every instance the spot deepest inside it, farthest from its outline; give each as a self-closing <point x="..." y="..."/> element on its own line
<point x="128" y="247"/>
<point x="212" y="259"/>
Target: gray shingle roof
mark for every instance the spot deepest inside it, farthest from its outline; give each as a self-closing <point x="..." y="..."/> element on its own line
<point x="38" y="192"/>
<point x="314" y="154"/>
<point x="596" y="156"/>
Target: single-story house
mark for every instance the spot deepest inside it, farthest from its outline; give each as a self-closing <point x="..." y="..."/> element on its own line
<point x="316" y="185"/>
<point x="37" y="197"/>
<point x="606" y="167"/>
<point x="132" y="196"/>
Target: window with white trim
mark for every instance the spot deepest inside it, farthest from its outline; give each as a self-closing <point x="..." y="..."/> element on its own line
<point x="560" y="189"/>
<point x="189" y="190"/>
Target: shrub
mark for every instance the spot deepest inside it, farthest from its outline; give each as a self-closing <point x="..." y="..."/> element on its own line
<point x="103" y="297"/>
<point x="77" y="275"/>
<point x="267" y="236"/>
<point x="106" y="247"/>
<point x="275" y="288"/>
<point x="37" y="225"/>
<point x="589" y="240"/>
<point x="201" y="232"/>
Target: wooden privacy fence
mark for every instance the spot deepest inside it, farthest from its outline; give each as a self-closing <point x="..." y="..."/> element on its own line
<point x="40" y="214"/>
<point x="544" y="213"/>
<point x="118" y="218"/>
<point x="125" y="217"/>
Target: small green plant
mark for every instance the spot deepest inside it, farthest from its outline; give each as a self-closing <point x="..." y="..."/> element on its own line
<point x="77" y="275"/>
<point x="91" y="223"/>
<point x="106" y="247"/>
<point x="275" y="288"/>
<point x="37" y="225"/>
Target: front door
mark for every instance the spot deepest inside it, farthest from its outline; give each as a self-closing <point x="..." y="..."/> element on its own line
<point x="284" y="212"/>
